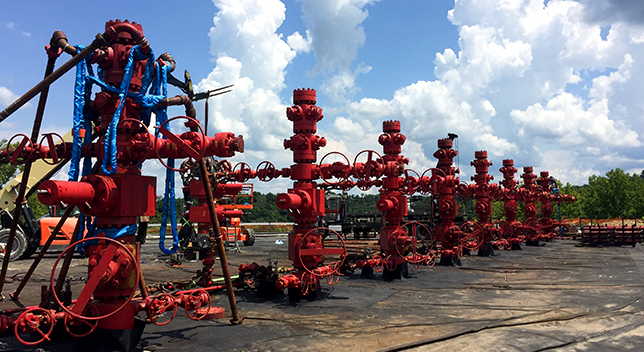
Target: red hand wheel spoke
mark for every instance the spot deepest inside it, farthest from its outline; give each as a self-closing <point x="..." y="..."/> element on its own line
<point x="160" y="305"/>
<point x="30" y="322"/>
<point x="389" y="263"/>
<point x="378" y="263"/>
<point x="410" y="182"/>
<point x="18" y="151"/>
<point x="302" y="252"/>
<point x="430" y="259"/>
<point x="53" y="151"/>
<point x="369" y="165"/>
<point x="413" y="233"/>
<point x="346" y="167"/>
<point x="265" y="171"/>
<point x="244" y="172"/>
<point x="473" y="237"/>
<point x="181" y="145"/>
<point x="95" y="278"/>
<point x="113" y="247"/>
<point x="198" y="299"/>
<point x="72" y="325"/>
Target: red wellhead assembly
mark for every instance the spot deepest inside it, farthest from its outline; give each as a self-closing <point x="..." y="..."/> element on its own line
<point x="111" y="136"/>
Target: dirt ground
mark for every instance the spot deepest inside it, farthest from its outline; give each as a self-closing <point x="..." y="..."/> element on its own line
<point x="554" y="297"/>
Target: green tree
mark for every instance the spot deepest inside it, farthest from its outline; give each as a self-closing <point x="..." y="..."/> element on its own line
<point x="616" y="195"/>
<point x="7" y="171"/>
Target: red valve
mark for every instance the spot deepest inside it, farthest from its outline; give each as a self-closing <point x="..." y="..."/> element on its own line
<point x="192" y="144"/>
<point x="52" y="148"/>
<point x="341" y="170"/>
<point x="266" y="171"/>
<point x="196" y="304"/>
<point x="23" y="152"/>
<point x="160" y="305"/>
<point x="111" y="257"/>
<point x="37" y="322"/>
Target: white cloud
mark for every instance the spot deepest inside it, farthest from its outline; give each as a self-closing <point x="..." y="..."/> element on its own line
<point x="336" y="33"/>
<point x="7" y="96"/>
<point x="299" y="43"/>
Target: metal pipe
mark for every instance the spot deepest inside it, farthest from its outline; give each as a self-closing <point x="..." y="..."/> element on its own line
<point x="49" y="79"/>
<point x="64" y="267"/>
<point x="51" y="63"/>
<point x="180" y="100"/>
<point x="236" y="320"/>
<point x="16" y="294"/>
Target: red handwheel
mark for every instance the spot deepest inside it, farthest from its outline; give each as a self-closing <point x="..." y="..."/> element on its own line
<point x="181" y="144"/>
<point x="302" y="252"/>
<point x="114" y="252"/>
<point x="53" y="154"/>
<point x="35" y="322"/>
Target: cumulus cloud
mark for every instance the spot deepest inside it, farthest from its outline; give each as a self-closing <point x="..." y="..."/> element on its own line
<point x="7" y="96"/>
<point x="613" y="10"/>
<point x="299" y="43"/>
<point x="336" y="33"/>
<point x="251" y="55"/>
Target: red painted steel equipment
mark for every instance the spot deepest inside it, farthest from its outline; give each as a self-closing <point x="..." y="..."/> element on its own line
<point x="511" y="229"/>
<point x="119" y="194"/>
<point x="396" y="241"/>
<point x="443" y="185"/>
<point x="305" y="202"/>
<point x="528" y="194"/>
<point x="481" y="234"/>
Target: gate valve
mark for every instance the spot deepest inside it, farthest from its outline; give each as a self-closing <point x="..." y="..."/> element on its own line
<point x="243" y="268"/>
<point x="287" y="281"/>
<point x="387" y="204"/>
<point x="225" y="145"/>
<point x="393" y="169"/>
<point x="295" y="199"/>
<point x="138" y="147"/>
<point x="365" y="171"/>
<point x="466" y="191"/>
<point x="338" y="170"/>
<point x="400" y="239"/>
<point x="242" y="172"/>
<point x="437" y="183"/>
<point x="266" y="171"/>
<point x="453" y="233"/>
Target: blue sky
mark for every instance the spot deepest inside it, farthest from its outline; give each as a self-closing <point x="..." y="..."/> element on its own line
<point x="550" y="84"/>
